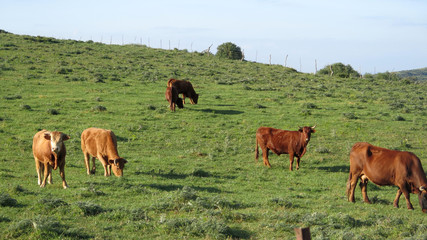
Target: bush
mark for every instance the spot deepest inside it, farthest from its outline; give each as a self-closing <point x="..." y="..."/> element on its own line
<point x="50" y="203"/>
<point x="52" y="111"/>
<point x="99" y="108"/>
<point x="7" y="201"/>
<point x="230" y="51"/>
<point x="90" y="209"/>
<point x="340" y="70"/>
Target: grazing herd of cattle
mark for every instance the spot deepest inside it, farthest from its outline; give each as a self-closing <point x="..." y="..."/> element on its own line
<point x="381" y="166"/>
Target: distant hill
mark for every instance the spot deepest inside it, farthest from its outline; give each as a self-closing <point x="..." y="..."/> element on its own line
<point x="418" y="74"/>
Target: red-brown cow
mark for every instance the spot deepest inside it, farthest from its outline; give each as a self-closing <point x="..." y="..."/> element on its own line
<point x="171" y="96"/>
<point x="185" y="88"/>
<point x="280" y="141"/>
<point x="49" y="151"/>
<point x="386" y="167"/>
<point x="102" y="144"/>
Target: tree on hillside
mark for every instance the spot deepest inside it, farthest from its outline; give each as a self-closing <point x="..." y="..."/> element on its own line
<point x="229" y="50"/>
<point x="340" y="70"/>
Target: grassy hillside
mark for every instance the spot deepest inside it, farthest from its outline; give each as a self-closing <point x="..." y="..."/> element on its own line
<point x="191" y="173"/>
<point x="418" y="74"/>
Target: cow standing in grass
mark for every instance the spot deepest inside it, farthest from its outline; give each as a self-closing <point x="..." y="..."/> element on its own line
<point x="171" y="96"/>
<point x="49" y="152"/>
<point x="280" y="141"/>
<point x="386" y="167"/>
<point x="184" y="87"/>
<point x="102" y="144"/>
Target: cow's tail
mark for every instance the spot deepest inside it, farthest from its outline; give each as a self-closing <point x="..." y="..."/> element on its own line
<point x="256" y="150"/>
<point x="347" y="192"/>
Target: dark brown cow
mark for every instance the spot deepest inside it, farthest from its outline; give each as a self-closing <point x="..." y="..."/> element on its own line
<point x="386" y="167"/>
<point x="102" y="144"/>
<point x="49" y="151"/>
<point x="185" y="88"/>
<point x="280" y="141"/>
<point x="171" y="95"/>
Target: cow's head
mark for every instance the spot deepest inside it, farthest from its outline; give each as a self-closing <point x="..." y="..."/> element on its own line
<point x="422" y="196"/>
<point x="117" y="165"/>
<point x="195" y="98"/>
<point x="56" y="143"/>
<point x="306" y="132"/>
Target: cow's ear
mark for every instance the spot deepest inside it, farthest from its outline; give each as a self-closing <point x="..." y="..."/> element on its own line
<point x="111" y="161"/>
<point x="124" y="161"/>
<point x="313" y="131"/>
<point x="65" y="137"/>
<point x="47" y="136"/>
<point x="300" y="129"/>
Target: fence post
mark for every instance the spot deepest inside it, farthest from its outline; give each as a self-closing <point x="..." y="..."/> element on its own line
<point x="302" y="233"/>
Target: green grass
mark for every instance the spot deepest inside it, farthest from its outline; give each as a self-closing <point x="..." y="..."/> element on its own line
<point x="191" y="173"/>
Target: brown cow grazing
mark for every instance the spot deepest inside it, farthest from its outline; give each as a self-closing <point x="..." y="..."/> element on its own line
<point x="171" y="95"/>
<point x="102" y="144"/>
<point x="386" y="167"/>
<point x="185" y="88"/>
<point x="280" y="141"/>
<point x="49" y="151"/>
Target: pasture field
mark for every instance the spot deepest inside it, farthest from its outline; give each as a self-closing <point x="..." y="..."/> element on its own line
<point x="191" y="173"/>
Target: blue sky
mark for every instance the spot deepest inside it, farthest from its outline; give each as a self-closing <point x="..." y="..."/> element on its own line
<point x="371" y="35"/>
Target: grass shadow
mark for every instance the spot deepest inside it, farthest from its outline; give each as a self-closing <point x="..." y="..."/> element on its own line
<point x="340" y="168"/>
<point x="223" y="112"/>
<point x="170" y="174"/>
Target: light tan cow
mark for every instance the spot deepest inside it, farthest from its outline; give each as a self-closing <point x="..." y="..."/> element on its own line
<point x="102" y="144"/>
<point x="49" y="151"/>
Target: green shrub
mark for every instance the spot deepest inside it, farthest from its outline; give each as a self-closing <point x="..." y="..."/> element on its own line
<point x="230" y="51"/>
<point x="20" y="228"/>
<point x="12" y="97"/>
<point x="349" y="115"/>
<point x="7" y="201"/>
<point x="340" y="70"/>
<point x="52" y="111"/>
<point x="89" y="208"/>
<point x="51" y="203"/>
<point x="99" y="108"/>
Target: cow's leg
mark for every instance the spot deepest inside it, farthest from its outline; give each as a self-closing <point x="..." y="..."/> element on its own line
<point x="265" y="157"/>
<point x="62" y="174"/>
<point x="49" y="178"/>
<point x="104" y="164"/>
<point x="191" y="101"/>
<point x="39" y="168"/>
<point x="406" y="194"/>
<point x="93" y="166"/>
<point x="87" y="163"/>
<point x="183" y="98"/>
<point x="291" y="160"/>
<point x="363" y="186"/>
<point x="109" y="169"/>
<point x="45" y="175"/>
<point x="298" y="159"/>
<point x="351" y="186"/>
<point x="396" y="199"/>
<point x="173" y="106"/>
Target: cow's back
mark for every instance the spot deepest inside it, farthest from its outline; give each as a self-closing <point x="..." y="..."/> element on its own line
<point x="97" y="140"/>
<point x="41" y="146"/>
<point x="382" y="166"/>
<point x="275" y="139"/>
<point x="183" y="86"/>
